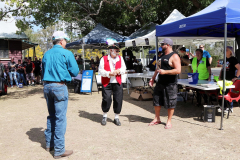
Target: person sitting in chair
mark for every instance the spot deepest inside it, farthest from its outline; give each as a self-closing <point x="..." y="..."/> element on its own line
<point x="232" y="72"/>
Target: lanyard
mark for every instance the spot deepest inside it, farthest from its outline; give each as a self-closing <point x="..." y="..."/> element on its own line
<point x="114" y="64"/>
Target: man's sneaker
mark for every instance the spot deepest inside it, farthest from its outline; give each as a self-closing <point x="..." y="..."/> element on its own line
<point x="104" y="121"/>
<point x="11" y="86"/>
<point x="231" y="109"/>
<point x="117" y="122"/>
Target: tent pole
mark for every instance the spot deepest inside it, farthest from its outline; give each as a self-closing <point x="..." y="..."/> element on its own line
<point x="224" y="72"/>
<point x="140" y="54"/>
<point x="156" y="50"/>
<point x="143" y="57"/>
<point x="83" y="55"/>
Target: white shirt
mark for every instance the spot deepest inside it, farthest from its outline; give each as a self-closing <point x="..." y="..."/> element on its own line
<point x="112" y="62"/>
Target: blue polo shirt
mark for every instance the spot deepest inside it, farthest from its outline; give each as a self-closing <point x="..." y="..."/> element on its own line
<point x="206" y="54"/>
<point x="59" y="65"/>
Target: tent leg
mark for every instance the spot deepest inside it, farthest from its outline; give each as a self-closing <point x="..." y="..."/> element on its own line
<point x="143" y="57"/>
<point x="156" y="49"/>
<point x="83" y="56"/>
<point x="224" y="73"/>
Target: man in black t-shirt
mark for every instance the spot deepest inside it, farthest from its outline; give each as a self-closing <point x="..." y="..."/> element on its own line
<point x="29" y="71"/>
<point x="128" y="58"/>
<point x="165" y="91"/>
<point x="25" y="62"/>
<point x="20" y="72"/>
<point x="37" y="69"/>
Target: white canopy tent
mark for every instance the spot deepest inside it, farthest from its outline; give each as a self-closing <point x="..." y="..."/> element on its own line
<point x="174" y="16"/>
<point x="140" y="41"/>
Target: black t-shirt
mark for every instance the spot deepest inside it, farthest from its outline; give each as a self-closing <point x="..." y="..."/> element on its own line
<point x="37" y="65"/>
<point x="128" y="58"/>
<point x="207" y="63"/>
<point x="230" y="68"/>
<point x="25" y="64"/>
<point x="29" y="68"/>
<point x="19" y="69"/>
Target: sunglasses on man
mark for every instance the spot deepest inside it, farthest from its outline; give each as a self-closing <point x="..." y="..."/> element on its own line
<point x="162" y="44"/>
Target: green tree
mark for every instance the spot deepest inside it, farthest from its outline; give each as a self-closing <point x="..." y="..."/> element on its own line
<point x="121" y="16"/>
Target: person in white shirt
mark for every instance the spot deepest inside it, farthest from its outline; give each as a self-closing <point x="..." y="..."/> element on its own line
<point x="111" y="68"/>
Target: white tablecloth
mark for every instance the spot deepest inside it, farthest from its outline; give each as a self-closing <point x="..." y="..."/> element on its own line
<point x="202" y="84"/>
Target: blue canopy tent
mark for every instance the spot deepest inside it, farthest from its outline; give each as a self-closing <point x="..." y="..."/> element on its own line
<point x="154" y="51"/>
<point x="221" y="19"/>
<point x="96" y="39"/>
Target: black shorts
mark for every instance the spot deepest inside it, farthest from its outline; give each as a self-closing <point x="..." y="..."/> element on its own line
<point x="165" y="95"/>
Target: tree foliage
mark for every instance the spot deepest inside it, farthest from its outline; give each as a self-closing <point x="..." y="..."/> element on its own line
<point x="121" y="16"/>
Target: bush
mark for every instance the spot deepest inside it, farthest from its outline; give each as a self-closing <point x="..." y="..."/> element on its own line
<point x="214" y="61"/>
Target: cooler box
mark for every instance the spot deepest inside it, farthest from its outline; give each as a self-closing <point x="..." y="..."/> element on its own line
<point x="209" y="113"/>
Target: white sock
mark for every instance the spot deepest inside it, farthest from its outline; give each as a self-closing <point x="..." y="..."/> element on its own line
<point x="105" y="114"/>
<point x="116" y="116"/>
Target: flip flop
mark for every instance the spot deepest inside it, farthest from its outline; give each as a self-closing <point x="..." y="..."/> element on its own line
<point x="168" y="126"/>
<point x="154" y="123"/>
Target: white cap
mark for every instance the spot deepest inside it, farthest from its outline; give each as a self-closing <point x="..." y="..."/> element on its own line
<point x="60" y="35"/>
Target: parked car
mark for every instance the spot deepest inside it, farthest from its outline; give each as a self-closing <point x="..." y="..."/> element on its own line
<point x="220" y="63"/>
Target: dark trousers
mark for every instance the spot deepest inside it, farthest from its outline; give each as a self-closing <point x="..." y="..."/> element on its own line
<point x="199" y="97"/>
<point x="117" y="91"/>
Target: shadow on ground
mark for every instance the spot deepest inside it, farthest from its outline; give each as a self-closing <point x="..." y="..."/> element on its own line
<point x="93" y="116"/>
<point x="21" y="93"/>
<point x="135" y="118"/>
<point x="37" y="135"/>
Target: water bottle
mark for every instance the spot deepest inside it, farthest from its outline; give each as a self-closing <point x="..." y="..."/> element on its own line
<point x="212" y="78"/>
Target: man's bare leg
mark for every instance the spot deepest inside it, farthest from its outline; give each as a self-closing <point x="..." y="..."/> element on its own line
<point x="170" y="114"/>
<point x="157" y="115"/>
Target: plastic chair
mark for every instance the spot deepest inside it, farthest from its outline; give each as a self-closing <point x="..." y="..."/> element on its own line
<point x="232" y="95"/>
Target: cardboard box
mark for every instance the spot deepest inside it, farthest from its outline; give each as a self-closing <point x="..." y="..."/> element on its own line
<point x="184" y="72"/>
<point x="140" y="94"/>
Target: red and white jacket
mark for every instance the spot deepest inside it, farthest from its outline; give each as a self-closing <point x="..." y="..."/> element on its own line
<point x="107" y="65"/>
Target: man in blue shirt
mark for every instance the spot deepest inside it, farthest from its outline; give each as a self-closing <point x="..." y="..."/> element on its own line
<point x="58" y="66"/>
<point x="206" y="54"/>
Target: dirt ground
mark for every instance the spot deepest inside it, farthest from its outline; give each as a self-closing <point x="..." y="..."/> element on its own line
<point x="23" y="121"/>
